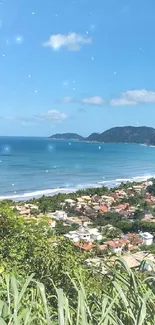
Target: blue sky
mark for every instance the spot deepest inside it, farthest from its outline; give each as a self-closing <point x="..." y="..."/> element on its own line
<point x="76" y="65"/>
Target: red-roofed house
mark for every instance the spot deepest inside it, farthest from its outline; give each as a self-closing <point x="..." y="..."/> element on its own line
<point x="102" y="247"/>
<point x="134" y="239"/>
<point x="125" y="213"/>
<point x="117" y="245"/>
<point x="103" y="208"/>
<point x="120" y="207"/>
<point x="85" y="246"/>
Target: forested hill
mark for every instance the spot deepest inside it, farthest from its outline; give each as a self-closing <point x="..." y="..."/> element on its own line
<point x="128" y="134"/>
<point x="66" y="136"/>
<point x="152" y="141"/>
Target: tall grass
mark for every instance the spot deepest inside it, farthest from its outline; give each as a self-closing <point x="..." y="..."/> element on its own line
<point x="127" y="298"/>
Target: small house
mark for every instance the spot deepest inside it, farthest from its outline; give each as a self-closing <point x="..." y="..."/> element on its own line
<point x="86" y="246"/>
<point x="114" y="246"/>
<point x="95" y="234"/>
<point x="117" y="245"/>
<point x="60" y="215"/>
<point x="147" y="238"/>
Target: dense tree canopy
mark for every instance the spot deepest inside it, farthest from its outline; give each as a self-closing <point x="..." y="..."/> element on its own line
<point x="30" y="246"/>
<point x="27" y="246"/>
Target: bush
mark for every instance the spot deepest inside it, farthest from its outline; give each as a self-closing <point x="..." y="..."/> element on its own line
<point x="127" y="298"/>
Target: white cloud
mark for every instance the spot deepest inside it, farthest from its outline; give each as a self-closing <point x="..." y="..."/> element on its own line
<point x="97" y="100"/>
<point x="52" y="115"/>
<point x="71" y="41"/>
<point x="127" y="98"/>
<point x="122" y="102"/>
<point x="141" y="96"/>
<point x="134" y="97"/>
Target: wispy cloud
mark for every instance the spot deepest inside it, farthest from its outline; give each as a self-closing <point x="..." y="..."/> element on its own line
<point x="134" y="97"/>
<point x="122" y="102"/>
<point x="127" y="98"/>
<point x="71" y="41"/>
<point x="97" y="100"/>
<point x="51" y="116"/>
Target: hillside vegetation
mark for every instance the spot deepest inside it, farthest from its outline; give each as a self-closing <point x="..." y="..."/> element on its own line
<point x="44" y="280"/>
<point x="125" y="298"/>
<point x="129" y="134"/>
<point x="67" y="136"/>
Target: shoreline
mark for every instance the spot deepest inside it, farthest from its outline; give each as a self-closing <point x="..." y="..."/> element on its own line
<point x="66" y="190"/>
<point x="102" y="142"/>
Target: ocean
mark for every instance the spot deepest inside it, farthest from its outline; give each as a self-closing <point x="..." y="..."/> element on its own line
<point x="32" y="167"/>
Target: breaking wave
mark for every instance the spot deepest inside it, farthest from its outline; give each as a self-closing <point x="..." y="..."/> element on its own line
<point x="54" y="191"/>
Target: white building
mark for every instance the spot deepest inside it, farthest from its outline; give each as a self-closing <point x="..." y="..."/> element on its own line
<point x="81" y="221"/>
<point x="73" y="236"/>
<point x="77" y="235"/>
<point x="115" y="248"/>
<point x="95" y="234"/>
<point x="59" y="215"/>
<point x="70" y="202"/>
<point x="85" y="234"/>
<point x="147" y="238"/>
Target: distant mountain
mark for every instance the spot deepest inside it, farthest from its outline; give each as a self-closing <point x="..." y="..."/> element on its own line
<point x="93" y="137"/>
<point x="128" y="134"/>
<point x="152" y="141"/>
<point x="66" y="136"/>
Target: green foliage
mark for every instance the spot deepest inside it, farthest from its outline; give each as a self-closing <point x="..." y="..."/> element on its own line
<point x="125" y="298"/>
<point x="22" y="242"/>
<point x="110" y="232"/>
<point x="75" y="295"/>
<point x="148" y="248"/>
<point x="34" y="212"/>
<point x="127" y="226"/>
<point x="27" y="246"/>
<point x="115" y="219"/>
<point x="137" y="200"/>
<point x="60" y="229"/>
<point x="52" y="203"/>
<point x="138" y="215"/>
<point x="93" y="191"/>
<point x="107" y="218"/>
<point x="129" y="134"/>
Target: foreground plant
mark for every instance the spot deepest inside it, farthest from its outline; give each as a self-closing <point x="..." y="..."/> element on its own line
<point x="127" y="298"/>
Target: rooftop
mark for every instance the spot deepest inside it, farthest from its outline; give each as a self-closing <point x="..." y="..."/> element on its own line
<point x="117" y="242"/>
<point x="85" y="246"/>
<point x="146" y="235"/>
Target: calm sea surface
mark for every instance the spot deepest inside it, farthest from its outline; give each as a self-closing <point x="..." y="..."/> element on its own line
<point x="35" y="166"/>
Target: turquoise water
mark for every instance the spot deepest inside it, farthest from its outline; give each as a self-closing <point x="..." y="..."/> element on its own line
<point x="35" y="166"/>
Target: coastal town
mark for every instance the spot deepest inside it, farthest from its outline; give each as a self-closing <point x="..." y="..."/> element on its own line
<point x="119" y="222"/>
<point x="77" y="162"/>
